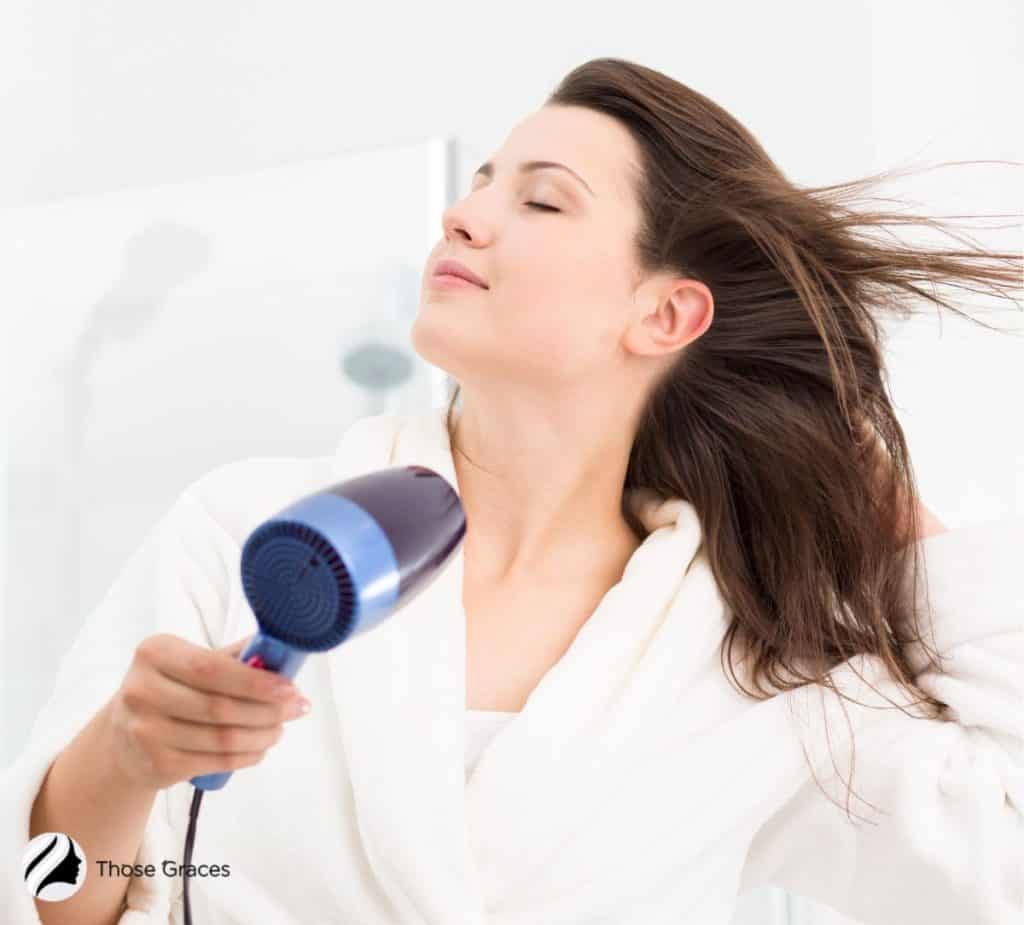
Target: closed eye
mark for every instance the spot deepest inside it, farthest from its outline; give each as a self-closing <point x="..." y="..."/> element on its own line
<point x="541" y="205"/>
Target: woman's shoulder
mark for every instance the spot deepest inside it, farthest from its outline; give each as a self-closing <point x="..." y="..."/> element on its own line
<point x="241" y="493"/>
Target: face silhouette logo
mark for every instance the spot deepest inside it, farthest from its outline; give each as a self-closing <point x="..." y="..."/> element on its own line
<point x="54" y="867"/>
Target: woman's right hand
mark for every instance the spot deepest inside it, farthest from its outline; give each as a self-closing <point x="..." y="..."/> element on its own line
<point x="183" y="710"/>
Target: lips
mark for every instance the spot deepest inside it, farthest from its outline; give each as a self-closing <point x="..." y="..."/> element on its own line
<point x="454" y="268"/>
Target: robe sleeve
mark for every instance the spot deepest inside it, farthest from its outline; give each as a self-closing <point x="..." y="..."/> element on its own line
<point x="175" y="582"/>
<point x="942" y="842"/>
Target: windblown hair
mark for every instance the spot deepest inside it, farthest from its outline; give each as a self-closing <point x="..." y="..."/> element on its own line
<point x="771" y="422"/>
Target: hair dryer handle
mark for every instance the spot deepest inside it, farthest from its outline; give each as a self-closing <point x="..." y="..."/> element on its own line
<point x="270" y="654"/>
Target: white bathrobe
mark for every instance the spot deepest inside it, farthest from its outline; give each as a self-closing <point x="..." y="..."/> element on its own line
<point x="636" y="787"/>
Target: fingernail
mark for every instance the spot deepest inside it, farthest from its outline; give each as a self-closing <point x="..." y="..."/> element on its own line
<point x="301" y="707"/>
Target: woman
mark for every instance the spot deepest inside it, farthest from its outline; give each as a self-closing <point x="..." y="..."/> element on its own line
<point x="685" y="614"/>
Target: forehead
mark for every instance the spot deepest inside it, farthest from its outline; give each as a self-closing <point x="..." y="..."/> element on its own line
<point x="595" y="145"/>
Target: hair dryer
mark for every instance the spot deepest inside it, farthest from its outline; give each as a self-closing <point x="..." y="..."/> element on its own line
<point x="339" y="561"/>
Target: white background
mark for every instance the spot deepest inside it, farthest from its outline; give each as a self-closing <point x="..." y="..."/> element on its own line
<point x="102" y="100"/>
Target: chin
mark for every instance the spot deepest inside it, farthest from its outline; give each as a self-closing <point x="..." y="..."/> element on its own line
<point x="432" y="342"/>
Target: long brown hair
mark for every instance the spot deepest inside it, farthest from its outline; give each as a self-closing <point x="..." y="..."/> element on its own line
<point x="770" y="421"/>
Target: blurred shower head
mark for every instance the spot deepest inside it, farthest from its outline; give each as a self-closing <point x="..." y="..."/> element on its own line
<point x="377" y="366"/>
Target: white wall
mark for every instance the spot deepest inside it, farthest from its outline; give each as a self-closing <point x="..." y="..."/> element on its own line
<point x="945" y="85"/>
<point x="106" y="96"/>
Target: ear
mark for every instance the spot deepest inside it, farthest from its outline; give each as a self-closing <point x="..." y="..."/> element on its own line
<point x="673" y="318"/>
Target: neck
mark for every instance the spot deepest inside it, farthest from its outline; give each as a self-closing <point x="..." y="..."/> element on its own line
<point x="543" y="498"/>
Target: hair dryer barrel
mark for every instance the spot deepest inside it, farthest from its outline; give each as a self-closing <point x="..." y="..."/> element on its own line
<point x="339" y="561"/>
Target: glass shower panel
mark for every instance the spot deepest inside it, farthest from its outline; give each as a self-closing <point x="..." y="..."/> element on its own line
<point x="156" y="333"/>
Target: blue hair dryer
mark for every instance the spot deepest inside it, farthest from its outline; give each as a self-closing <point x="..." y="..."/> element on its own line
<point x="338" y="562"/>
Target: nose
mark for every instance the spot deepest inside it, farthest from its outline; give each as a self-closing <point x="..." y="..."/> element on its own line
<point x="459" y="220"/>
<point x="454" y="224"/>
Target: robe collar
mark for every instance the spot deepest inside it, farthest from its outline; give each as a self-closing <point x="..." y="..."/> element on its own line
<point x="450" y="850"/>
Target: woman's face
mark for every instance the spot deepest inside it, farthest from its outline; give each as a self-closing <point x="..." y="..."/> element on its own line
<point x="560" y="283"/>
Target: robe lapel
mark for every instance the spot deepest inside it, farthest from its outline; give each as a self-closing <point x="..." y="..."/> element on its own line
<point x="611" y="701"/>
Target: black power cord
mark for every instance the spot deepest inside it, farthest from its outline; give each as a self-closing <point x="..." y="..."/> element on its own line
<point x="190" y="837"/>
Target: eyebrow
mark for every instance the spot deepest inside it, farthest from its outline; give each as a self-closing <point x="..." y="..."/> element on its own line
<point x="487" y="170"/>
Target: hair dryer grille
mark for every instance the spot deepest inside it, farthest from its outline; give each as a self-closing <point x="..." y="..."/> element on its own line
<point x="299" y="586"/>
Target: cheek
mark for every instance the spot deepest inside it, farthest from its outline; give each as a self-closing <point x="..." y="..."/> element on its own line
<point x="566" y="311"/>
